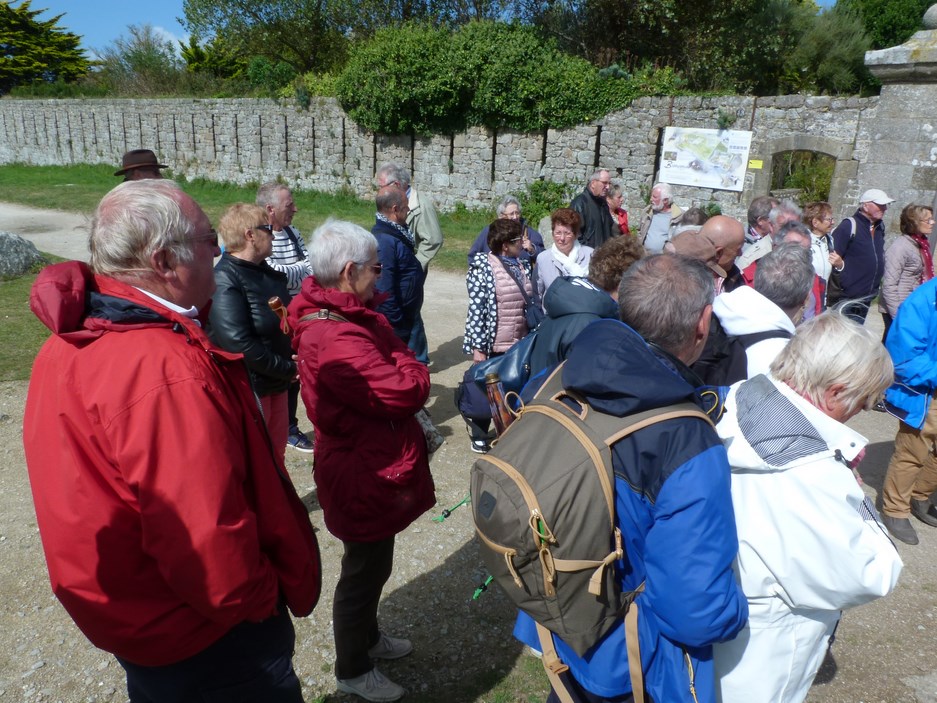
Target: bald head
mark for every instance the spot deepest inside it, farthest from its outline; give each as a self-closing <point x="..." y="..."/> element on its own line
<point x="727" y="234"/>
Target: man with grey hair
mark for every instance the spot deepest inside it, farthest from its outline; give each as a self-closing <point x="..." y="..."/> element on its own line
<point x="760" y="229"/>
<point x="427" y="236"/>
<point x="661" y="219"/>
<point x="510" y="208"/>
<point x="597" y="225"/>
<point x="402" y="277"/>
<point x="289" y="257"/>
<point x="671" y="487"/>
<point x="172" y="536"/>
<point x="763" y="318"/>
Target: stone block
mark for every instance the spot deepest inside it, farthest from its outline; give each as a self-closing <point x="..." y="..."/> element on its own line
<point x="17" y="255"/>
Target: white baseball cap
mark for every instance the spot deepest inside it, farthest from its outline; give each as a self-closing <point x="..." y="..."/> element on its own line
<point x="874" y="195"/>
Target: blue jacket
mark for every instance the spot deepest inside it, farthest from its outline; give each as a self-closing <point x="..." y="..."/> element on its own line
<point x="570" y="303"/>
<point x="674" y="509"/>
<point x="912" y="343"/>
<point x="401" y="279"/>
<point x="863" y="256"/>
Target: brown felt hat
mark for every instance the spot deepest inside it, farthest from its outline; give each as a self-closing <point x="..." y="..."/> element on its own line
<point x="138" y="158"/>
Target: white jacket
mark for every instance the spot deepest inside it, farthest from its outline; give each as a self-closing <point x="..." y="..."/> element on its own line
<point x="746" y="311"/>
<point x="810" y="544"/>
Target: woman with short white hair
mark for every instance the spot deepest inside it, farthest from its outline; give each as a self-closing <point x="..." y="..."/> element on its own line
<point x="810" y="543"/>
<point x="362" y="387"/>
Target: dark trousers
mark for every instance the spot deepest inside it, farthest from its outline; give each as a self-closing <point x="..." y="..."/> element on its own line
<point x="292" y="400"/>
<point x="857" y="310"/>
<point x="366" y="566"/>
<point x="886" y="320"/>
<point x="418" y="343"/>
<point x="581" y="695"/>
<point x="253" y="662"/>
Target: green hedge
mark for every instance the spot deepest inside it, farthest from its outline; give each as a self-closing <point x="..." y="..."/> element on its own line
<point x="425" y="80"/>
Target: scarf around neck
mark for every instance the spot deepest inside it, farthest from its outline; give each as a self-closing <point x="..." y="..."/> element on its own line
<point x="569" y="263"/>
<point x="927" y="272"/>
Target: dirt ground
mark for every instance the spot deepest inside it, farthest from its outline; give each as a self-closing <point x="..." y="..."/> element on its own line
<point x="463" y="649"/>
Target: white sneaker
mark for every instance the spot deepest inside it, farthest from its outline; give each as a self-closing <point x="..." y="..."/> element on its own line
<point x="390" y="648"/>
<point x="372" y="686"/>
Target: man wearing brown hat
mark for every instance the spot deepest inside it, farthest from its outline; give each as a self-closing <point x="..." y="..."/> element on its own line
<point x="140" y="164"/>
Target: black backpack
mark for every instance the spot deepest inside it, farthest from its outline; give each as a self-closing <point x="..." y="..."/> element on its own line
<point x="724" y="360"/>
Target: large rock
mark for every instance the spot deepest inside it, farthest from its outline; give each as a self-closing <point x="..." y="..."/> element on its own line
<point x="17" y="255"/>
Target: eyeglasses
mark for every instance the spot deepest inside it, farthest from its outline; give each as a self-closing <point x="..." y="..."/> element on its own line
<point x="265" y="228"/>
<point x="829" y="219"/>
<point x="211" y="237"/>
<point x="516" y="239"/>
<point x="377" y="268"/>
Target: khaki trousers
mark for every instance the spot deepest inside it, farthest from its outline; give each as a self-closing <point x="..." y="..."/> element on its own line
<point x="912" y="472"/>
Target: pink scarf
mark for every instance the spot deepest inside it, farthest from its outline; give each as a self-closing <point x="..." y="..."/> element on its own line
<point x="926" y="258"/>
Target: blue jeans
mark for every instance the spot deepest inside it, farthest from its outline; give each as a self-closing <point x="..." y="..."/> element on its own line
<point x="418" y="343"/>
<point x="252" y="662"/>
<point x="858" y="309"/>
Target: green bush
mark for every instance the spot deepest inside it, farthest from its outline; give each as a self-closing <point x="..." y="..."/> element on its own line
<point x="542" y="197"/>
<point x="401" y="81"/>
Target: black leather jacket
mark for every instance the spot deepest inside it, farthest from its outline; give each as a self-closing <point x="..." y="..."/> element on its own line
<point x="241" y="321"/>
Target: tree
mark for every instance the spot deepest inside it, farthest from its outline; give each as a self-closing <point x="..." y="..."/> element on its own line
<point x="142" y="63"/>
<point x="35" y="50"/>
<point x="302" y="33"/>
<point x="888" y="22"/>
<point x="215" y="57"/>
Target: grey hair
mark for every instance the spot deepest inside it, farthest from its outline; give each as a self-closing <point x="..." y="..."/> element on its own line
<point x="269" y="194"/>
<point x="661" y="297"/>
<point x="832" y="349"/>
<point x="387" y="198"/>
<point x="508" y="200"/>
<point x="760" y="207"/>
<point x="780" y="237"/>
<point x="785" y="276"/>
<point x="787" y="207"/>
<point x="334" y="244"/>
<point x="394" y="172"/>
<point x="613" y="190"/>
<point x="597" y="174"/>
<point x="665" y="190"/>
<point x="135" y="220"/>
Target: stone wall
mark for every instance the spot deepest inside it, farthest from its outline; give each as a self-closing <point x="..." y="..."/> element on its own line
<point x="251" y="141"/>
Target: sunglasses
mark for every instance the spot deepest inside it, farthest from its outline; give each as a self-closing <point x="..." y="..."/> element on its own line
<point x="265" y="228"/>
<point x="377" y="268"/>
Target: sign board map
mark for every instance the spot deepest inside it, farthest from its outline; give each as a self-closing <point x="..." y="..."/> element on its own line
<point x="707" y="158"/>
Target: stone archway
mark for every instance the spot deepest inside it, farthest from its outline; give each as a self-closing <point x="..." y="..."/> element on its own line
<point x="846" y="167"/>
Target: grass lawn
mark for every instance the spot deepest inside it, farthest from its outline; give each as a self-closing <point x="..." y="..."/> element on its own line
<point x="79" y="188"/>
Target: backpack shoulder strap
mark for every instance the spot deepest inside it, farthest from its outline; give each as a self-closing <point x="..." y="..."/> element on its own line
<point x="749" y="340"/>
<point x="323" y="314"/>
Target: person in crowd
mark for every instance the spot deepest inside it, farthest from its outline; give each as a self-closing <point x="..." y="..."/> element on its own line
<point x="242" y="321"/>
<point x="758" y="236"/>
<point x="140" y="165"/>
<point x="911" y="477"/>
<point x="615" y="199"/>
<point x="427" y="236"/>
<point x="860" y="241"/>
<point x="171" y="535"/>
<point x="500" y="289"/>
<point x="728" y="235"/>
<point x="573" y="302"/>
<point x="361" y="386"/>
<point x="810" y="544"/>
<point x="402" y="277"/>
<point x="763" y="317"/>
<point x="781" y="213"/>
<point x="692" y="220"/>
<point x="592" y="206"/>
<point x="818" y="216"/>
<point x="289" y="257"/>
<point x="660" y="220"/>
<point x="908" y="261"/>
<point x="672" y="499"/>
<point x="510" y="208"/>
<point x="567" y="257"/>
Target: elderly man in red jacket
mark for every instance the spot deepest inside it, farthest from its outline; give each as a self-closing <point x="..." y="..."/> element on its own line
<point x="173" y="537"/>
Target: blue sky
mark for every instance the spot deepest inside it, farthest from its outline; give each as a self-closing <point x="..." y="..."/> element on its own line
<point x="100" y="22"/>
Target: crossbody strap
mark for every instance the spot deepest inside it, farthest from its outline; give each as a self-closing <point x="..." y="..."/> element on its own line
<point x="323" y="314"/>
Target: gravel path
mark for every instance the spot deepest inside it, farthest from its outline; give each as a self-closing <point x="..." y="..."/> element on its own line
<point x="463" y="648"/>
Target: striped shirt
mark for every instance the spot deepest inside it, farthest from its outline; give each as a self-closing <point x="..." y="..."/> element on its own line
<point x="290" y="257"/>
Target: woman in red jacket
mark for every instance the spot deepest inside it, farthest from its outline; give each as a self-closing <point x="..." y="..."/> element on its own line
<point x="361" y="386"/>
